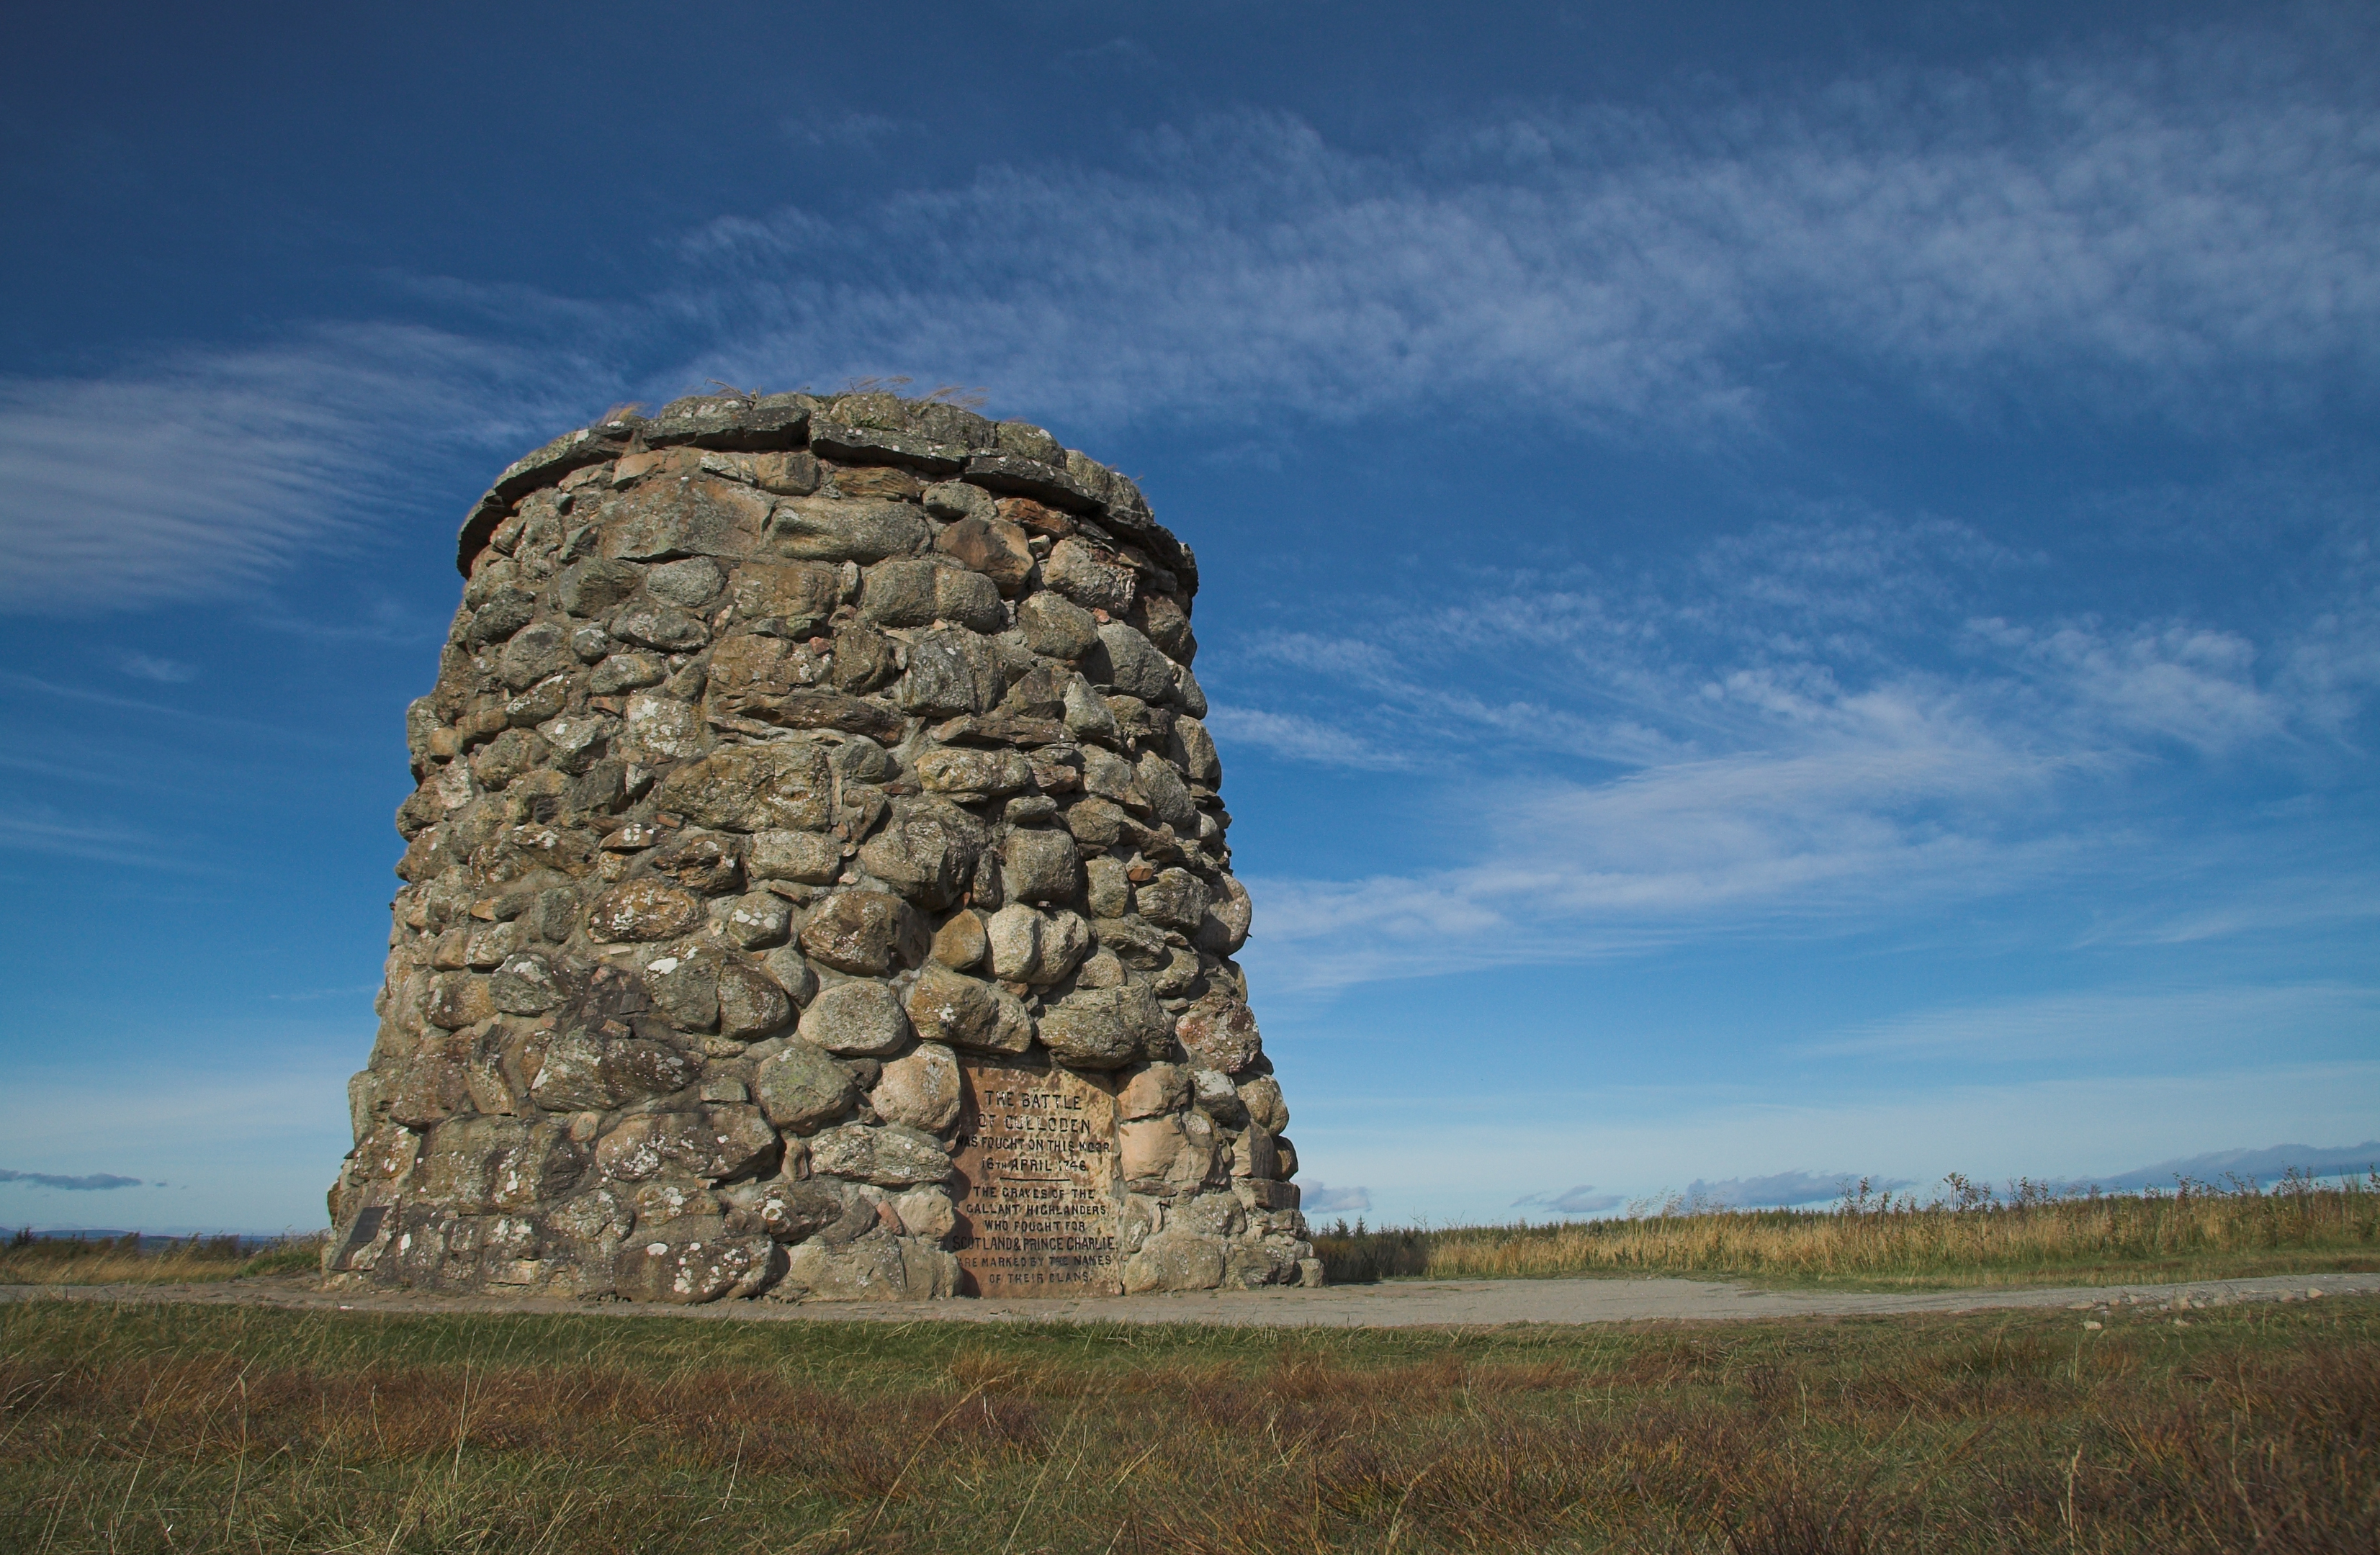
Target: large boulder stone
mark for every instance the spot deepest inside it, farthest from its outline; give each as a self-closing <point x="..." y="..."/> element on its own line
<point x="788" y="1211"/>
<point x="955" y="499"/>
<point x="1250" y="1265"/>
<point x="795" y="599"/>
<point x="663" y="628"/>
<point x="715" y="1143"/>
<point x="458" y="999"/>
<point x="1109" y="891"/>
<point x="1176" y="1150"/>
<point x="1220" y="1099"/>
<point x="751" y="1003"/>
<point x="1164" y="622"/>
<point x="1261" y="1095"/>
<point x="1168" y="797"/>
<point x="1195" y="748"/>
<point x="926" y="1212"/>
<point x="627" y="671"/>
<point x="593" y="587"/>
<point x="1130" y="663"/>
<point x="810" y="858"/>
<point x="526" y="983"/>
<point x="686" y="515"/>
<point x="786" y="784"/>
<point x="662" y="728"/>
<point x="871" y="1268"/>
<point x="690" y="1261"/>
<point x="534" y="653"/>
<point x="945" y="1006"/>
<point x="889" y="1155"/>
<point x="1176" y="899"/>
<point x="1225" y="927"/>
<point x="683" y="989"/>
<point x="856" y="1020"/>
<point x="831" y="529"/>
<point x="1088" y="716"/>
<point x="1153" y="1090"/>
<point x="919" y="1089"/>
<point x="1039" y="865"/>
<point x="1219" y="1034"/>
<point x="1187" y="694"/>
<point x="1107" y="1028"/>
<point x="1058" y="628"/>
<point x="596" y="1068"/>
<point x="801" y="1089"/>
<point x="960" y="944"/>
<point x="483" y="1164"/>
<point x="1090" y="575"/>
<point x="957" y="769"/>
<point x="756" y="920"/>
<point x="867" y="933"/>
<point x="1035" y="948"/>
<point x="750" y="669"/>
<point x="951" y="672"/>
<point x="1174" y="1259"/>
<point x="990" y="546"/>
<point x="926" y="851"/>
<point x="920" y="592"/>
<point x="691" y="584"/>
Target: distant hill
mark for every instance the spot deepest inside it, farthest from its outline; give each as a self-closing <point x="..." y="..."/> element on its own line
<point x="2257" y="1166"/>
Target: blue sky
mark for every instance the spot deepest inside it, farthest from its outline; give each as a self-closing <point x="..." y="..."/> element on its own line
<point x="1788" y="590"/>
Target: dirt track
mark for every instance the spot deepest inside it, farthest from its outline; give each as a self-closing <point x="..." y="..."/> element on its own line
<point x="1398" y="1304"/>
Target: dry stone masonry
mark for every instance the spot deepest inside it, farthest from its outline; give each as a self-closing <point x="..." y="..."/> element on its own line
<point x="817" y="887"/>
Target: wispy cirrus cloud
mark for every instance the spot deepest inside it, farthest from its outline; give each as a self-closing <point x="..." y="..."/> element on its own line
<point x="164" y="671"/>
<point x="2215" y="1020"/>
<point x="1301" y="738"/>
<point x="2176" y="230"/>
<point x="1805" y="728"/>
<point x="204" y="469"/>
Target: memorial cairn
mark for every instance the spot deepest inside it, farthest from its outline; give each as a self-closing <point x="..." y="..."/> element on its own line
<point x="817" y="887"/>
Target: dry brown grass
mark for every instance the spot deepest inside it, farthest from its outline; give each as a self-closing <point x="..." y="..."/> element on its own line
<point x="2198" y="1233"/>
<point x="58" y="1260"/>
<point x="210" y="1429"/>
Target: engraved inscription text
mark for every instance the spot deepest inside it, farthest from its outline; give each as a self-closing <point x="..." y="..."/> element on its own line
<point x="1036" y="1164"/>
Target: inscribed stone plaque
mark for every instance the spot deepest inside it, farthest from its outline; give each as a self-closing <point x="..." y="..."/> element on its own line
<point x="1036" y="1198"/>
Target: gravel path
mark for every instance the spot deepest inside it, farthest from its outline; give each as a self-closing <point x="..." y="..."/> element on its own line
<point x="1397" y="1303"/>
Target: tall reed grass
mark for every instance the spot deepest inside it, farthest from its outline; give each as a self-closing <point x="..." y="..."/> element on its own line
<point x="1965" y="1234"/>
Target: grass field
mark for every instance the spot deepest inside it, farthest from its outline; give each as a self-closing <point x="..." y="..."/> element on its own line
<point x="29" y="1260"/>
<point x="1963" y="1236"/>
<point x="217" y="1428"/>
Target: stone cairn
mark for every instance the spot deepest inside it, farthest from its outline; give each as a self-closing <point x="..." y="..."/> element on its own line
<point x="817" y="887"/>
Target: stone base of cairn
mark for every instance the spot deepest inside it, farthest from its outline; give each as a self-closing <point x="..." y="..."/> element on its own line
<point x="817" y="887"/>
